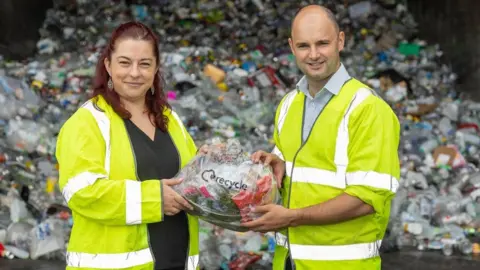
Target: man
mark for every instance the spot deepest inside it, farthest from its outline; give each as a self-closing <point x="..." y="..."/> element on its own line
<point x="336" y="142"/>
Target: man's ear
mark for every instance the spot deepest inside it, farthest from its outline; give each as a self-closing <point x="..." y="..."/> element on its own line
<point x="341" y="41"/>
<point x="290" y="42"/>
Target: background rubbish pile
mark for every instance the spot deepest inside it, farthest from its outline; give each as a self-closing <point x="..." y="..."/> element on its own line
<point x="226" y="66"/>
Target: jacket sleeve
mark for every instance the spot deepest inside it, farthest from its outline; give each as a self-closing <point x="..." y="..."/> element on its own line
<point x="373" y="164"/>
<point x="86" y="187"/>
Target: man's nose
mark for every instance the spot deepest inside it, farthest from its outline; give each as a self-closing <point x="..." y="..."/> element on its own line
<point x="314" y="53"/>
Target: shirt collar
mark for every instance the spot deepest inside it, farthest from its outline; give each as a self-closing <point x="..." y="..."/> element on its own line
<point x="334" y="84"/>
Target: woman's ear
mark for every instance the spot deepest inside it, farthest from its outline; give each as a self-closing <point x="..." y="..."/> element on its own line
<point x="106" y="63"/>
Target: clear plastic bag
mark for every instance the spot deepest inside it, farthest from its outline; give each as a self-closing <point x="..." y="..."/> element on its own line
<point x="224" y="186"/>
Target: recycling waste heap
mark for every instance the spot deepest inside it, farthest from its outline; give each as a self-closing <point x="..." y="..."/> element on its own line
<point x="226" y="66"/>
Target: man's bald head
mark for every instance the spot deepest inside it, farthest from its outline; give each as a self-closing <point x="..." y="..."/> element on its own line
<point x="316" y="43"/>
<point x="320" y="10"/>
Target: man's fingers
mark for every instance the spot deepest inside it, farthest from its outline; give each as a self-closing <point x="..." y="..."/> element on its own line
<point x="256" y="156"/>
<point x="262" y="208"/>
<point x="172" y="182"/>
<point x="268" y="159"/>
<point x="253" y="224"/>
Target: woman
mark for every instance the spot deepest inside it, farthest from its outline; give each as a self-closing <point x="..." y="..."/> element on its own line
<point x="117" y="156"/>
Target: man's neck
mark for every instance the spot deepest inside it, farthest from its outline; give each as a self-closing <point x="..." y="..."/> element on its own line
<point x="316" y="86"/>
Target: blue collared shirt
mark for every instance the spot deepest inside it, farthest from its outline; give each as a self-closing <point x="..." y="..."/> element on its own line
<point x="315" y="105"/>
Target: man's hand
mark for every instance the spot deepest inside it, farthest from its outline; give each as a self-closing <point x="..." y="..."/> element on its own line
<point x="273" y="160"/>
<point x="274" y="217"/>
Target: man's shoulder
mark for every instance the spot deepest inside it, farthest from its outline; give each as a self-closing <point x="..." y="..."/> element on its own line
<point x="289" y="96"/>
<point x="358" y="84"/>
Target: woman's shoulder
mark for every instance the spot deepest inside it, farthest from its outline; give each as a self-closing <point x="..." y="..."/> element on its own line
<point x="87" y="113"/>
<point x="173" y="116"/>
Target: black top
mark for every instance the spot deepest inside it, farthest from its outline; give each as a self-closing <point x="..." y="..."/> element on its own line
<point x="159" y="159"/>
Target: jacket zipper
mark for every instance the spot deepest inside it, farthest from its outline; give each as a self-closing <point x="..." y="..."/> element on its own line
<point x="138" y="179"/>
<point x="293" y="166"/>
<point x="188" y="222"/>
<point x="290" y="186"/>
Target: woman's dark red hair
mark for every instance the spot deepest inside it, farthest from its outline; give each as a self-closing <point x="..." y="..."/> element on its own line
<point x="156" y="103"/>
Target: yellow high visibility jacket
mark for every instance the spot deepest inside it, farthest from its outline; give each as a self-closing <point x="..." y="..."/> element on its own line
<point x="110" y="206"/>
<point x="352" y="148"/>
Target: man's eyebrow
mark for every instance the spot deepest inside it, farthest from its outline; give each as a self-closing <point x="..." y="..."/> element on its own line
<point x="316" y="42"/>
<point x="301" y="42"/>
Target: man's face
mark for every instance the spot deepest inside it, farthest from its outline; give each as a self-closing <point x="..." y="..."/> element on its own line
<point x="316" y="45"/>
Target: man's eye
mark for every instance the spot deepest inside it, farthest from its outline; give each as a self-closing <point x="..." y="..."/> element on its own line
<point x="123" y="63"/>
<point x="145" y="64"/>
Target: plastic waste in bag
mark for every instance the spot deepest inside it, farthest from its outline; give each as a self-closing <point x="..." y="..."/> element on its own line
<point x="224" y="186"/>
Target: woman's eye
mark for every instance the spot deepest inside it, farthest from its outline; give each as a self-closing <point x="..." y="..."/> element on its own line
<point x="123" y="63"/>
<point x="145" y="64"/>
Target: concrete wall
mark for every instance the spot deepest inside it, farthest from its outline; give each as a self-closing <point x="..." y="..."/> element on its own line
<point x="19" y="24"/>
<point x="455" y="25"/>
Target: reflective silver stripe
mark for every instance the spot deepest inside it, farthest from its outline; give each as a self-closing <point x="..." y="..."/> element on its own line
<point x="109" y="261"/>
<point x="284" y="109"/>
<point x="336" y="252"/>
<point x="330" y="252"/>
<point x="104" y="125"/>
<point x="133" y="202"/>
<point x="277" y="152"/>
<point x="193" y="262"/>
<point x="180" y="123"/>
<point x="328" y="178"/>
<point x="341" y="147"/>
<point x="79" y="182"/>
<point x="373" y="179"/>
<point x="313" y="176"/>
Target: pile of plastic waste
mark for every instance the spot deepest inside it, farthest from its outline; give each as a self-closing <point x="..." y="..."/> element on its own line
<point x="226" y="66"/>
<point x="224" y="249"/>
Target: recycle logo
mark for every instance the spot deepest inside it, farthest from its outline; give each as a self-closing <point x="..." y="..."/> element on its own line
<point x="209" y="175"/>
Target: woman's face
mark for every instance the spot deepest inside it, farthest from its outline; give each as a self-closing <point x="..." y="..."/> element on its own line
<point x="132" y="68"/>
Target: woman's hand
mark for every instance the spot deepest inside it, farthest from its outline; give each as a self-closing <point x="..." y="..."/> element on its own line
<point x="203" y="150"/>
<point x="173" y="203"/>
